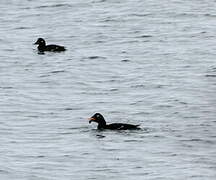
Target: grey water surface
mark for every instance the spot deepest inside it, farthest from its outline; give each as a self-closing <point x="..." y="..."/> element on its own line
<point x="143" y="62"/>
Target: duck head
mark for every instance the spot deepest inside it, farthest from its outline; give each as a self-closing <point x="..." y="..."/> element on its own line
<point x="40" y="42"/>
<point x="98" y="118"/>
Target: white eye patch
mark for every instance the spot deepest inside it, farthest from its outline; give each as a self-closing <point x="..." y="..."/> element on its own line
<point x="98" y="116"/>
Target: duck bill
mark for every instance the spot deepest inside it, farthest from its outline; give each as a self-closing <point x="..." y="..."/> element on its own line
<point x="36" y="42"/>
<point x="91" y="120"/>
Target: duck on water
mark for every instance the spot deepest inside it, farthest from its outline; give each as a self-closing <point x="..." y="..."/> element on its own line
<point x="52" y="47"/>
<point x="98" y="118"/>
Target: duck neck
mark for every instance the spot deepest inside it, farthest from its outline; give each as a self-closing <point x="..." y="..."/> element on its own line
<point x="102" y="125"/>
<point x="41" y="47"/>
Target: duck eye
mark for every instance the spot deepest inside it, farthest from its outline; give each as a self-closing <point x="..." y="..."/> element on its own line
<point x="98" y="115"/>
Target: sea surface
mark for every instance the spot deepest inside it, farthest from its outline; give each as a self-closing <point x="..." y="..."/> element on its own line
<point x="143" y="62"/>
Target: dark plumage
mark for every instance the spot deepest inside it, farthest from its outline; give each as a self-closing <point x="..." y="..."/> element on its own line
<point x="98" y="118"/>
<point x="43" y="47"/>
